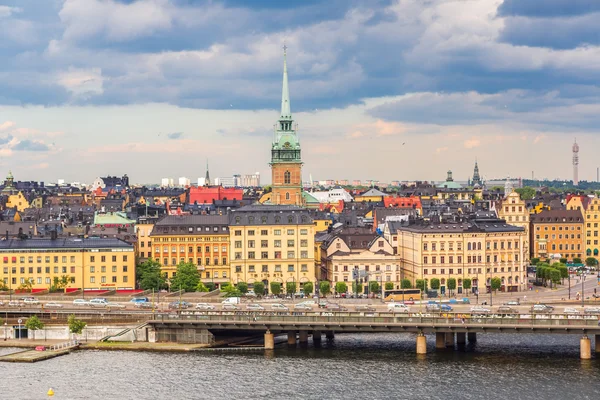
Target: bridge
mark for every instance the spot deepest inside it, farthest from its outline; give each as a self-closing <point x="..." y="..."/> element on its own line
<point x="199" y="327"/>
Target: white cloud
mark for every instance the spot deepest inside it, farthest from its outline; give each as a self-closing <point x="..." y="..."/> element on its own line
<point x="6" y="125"/>
<point x="7" y="11"/>
<point x="82" y="83"/>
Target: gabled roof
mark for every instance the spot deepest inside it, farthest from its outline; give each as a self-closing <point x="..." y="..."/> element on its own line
<point x="374" y="193"/>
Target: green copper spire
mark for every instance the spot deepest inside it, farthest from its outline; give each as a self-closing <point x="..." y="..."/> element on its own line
<point x="286" y="112"/>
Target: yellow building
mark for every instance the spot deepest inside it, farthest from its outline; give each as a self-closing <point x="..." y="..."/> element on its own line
<point x="590" y="207"/>
<point x="272" y="244"/>
<point x="477" y="249"/>
<point x="557" y="234"/>
<point x="372" y="195"/>
<point x="17" y="201"/>
<point x="143" y="229"/>
<point x="91" y="264"/>
<point x="514" y="210"/>
<point x="202" y="240"/>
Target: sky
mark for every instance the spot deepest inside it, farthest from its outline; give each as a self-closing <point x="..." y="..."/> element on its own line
<point x="380" y="89"/>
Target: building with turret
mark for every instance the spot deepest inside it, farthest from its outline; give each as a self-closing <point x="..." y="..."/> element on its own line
<point x="286" y="161"/>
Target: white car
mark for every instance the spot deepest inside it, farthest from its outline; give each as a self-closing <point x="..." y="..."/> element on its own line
<point x="254" y="307"/>
<point x="204" y="306"/>
<point x="53" y="304"/>
<point x="398" y="307"/>
<point x="31" y="300"/>
<point x="571" y="310"/>
<point x="592" y="310"/>
<point x="279" y="307"/>
<point x="98" y="303"/>
<point x="229" y="307"/>
<point x="81" y="302"/>
<point x="115" y="305"/>
<point x="478" y="309"/>
<point x="302" y="306"/>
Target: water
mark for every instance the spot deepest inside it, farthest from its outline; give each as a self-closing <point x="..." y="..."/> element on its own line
<point x="374" y="366"/>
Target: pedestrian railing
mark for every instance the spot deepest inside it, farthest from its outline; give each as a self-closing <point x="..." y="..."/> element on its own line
<point x="64" y="346"/>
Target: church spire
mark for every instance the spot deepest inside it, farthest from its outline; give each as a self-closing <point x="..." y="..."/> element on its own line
<point x="286" y="112"/>
<point x="207" y="179"/>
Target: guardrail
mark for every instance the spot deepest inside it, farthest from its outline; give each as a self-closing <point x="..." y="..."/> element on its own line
<point x="64" y="346"/>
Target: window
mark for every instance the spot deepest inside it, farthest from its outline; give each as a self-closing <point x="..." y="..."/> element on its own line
<point x="277" y="254"/>
<point x="251" y="255"/>
<point x="238" y="244"/>
<point x="103" y="279"/>
<point x="237" y="232"/>
<point x="277" y="243"/>
<point x="290" y="231"/>
<point x="304" y="268"/>
<point x="291" y="254"/>
<point x="92" y="279"/>
<point x="224" y="261"/>
<point x="304" y="254"/>
<point x="291" y="268"/>
<point x="287" y="177"/>
<point x="264" y="254"/>
<point x="265" y="268"/>
<point x="278" y="268"/>
<point x="264" y="232"/>
<point x="277" y="232"/>
<point x="238" y="269"/>
<point x="290" y="243"/>
<point x="102" y="259"/>
<point x="114" y="279"/>
<point x="304" y="243"/>
<point x="425" y="260"/>
<point x="304" y="231"/>
<point x="264" y="243"/>
<point x="251" y="244"/>
<point x="251" y="268"/>
<point x="251" y="233"/>
<point x="114" y="268"/>
<point x="424" y="246"/>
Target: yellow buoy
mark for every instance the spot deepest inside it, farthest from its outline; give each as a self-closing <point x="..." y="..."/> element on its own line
<point x="50" y="392"/>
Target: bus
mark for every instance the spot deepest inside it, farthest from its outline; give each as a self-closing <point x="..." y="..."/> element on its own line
<point x="402" y="295"/>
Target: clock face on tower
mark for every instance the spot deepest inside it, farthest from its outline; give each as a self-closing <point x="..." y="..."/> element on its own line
<point x="287" y="145"/>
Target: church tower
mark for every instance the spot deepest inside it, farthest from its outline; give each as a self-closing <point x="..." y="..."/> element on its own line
<point x="286" y="163"/>
<point x="476" y="178"/>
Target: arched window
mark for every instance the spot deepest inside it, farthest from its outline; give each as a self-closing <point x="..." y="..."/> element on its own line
<point x="469" y="246"/>
<point x="479" y="246"/>
<point x="287" y="178"/>
<point x="287" y="195"/>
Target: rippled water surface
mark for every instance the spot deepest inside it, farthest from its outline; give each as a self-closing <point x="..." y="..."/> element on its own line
<point x="351" y="367"/>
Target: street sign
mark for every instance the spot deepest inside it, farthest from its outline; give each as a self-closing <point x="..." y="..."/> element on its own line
<point x="20" y="321"/>
<point x="355" y="274"/>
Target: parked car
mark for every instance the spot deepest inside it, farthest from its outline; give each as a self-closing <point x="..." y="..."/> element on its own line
<point x="254" y="307"/>
<point x="98" y="302"/>
<point x="143" y="305"/>
<point x="175" y="305"/>
<point x="139" y="300"/>
<point x="205" y="306"/>
<point x="335" y="307"/>
<point x="31" y="300"/>
<point x="251" y="293"/>
<point x="507" y="310"/>
<point x="229" y="306"/>
<point x="542" y="309"/>
<point x="279" y="307"/>
<point x="479" y="309"/>
<point x="433" y="307"/>
<point x="592" y="310"/>
<point x="398" y="307"/>
<point x="81" y="302"/>
<point x="53" y="304"/>
<point x="571" y="310"/>
<point x="115" y="305"/>
<point x="513" y="303"/>
<point x="16" y="303"/>
<point x="365" y="308"/>
<point x="303" y="306"/>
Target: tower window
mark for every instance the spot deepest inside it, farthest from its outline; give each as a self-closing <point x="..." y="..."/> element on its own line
<point x="287" y="195"/>
<point x="287" y="178"/>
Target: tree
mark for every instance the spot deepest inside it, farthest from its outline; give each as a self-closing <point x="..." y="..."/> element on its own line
<point x="435" y="283"/>
<point x="75" y="325"/>
<point x="34" y="323"/>
<point x="564" y="271"/>
<point x="230" y="291"/>
<point x="420" y="284"/>
<point x="577" y="260"/>
<point x="308" y="288"/>
<point x="290" y="287"/>
<point x="555" y="275"/>
<point x="242" y="287"/>
<point x="496" y="283"/>
<point x="201" y="287"/>
<point x="324" y="288"/>
<point x="210" y="286"/>
<point x="186" y="278"/>
<point x="406" y="284"/>
<point x="389" y="286"/>
<point x="357" y="287"/>
<point x="149" y="275"/>
<point x="259" y="288"/>
<point x="591" y="262"/>
<point x="374" y="287"/>
<point x="563" y="260"/>
<point x="3" y="287"/>
<point x="526" y="193"/>
<point x="451" y="284"/>
<point x="341" y="287"/>
<point x="467" y="283"/>
<point x="276" y="288"/>
<point x="535" y="261"/>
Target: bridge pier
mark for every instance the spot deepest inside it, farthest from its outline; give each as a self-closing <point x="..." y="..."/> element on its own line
<point x="421" y="344"/>
<point x="316" y="336"/>
<point x="585" y="347"/>
<point x="440" y="340"/>
<point x="461" y="338"/>
<point x="291" y="338"/>
<point x="269" y="341"/>
<point x="472" y="336"/>
<point x="597" y="340"/>
<point x="449" y="339"/>
<point x="329" y="335"/>
<point x="303" y="337"/>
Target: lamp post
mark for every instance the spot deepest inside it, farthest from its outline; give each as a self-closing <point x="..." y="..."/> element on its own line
<point x="582" y="295"/>
<point x="5" y="327"/>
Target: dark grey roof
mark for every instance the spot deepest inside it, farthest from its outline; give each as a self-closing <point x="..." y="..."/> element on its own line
<point x="179" y="220"/>
<point x="270" y="215"/>
<point x="66" y="243"/>
<point x="557" y="216"/>
<point x="191" y="224"/>
<point x="462" y="227"/>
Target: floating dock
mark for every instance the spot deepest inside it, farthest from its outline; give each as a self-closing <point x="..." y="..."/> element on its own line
<point x="31" y="356"/>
